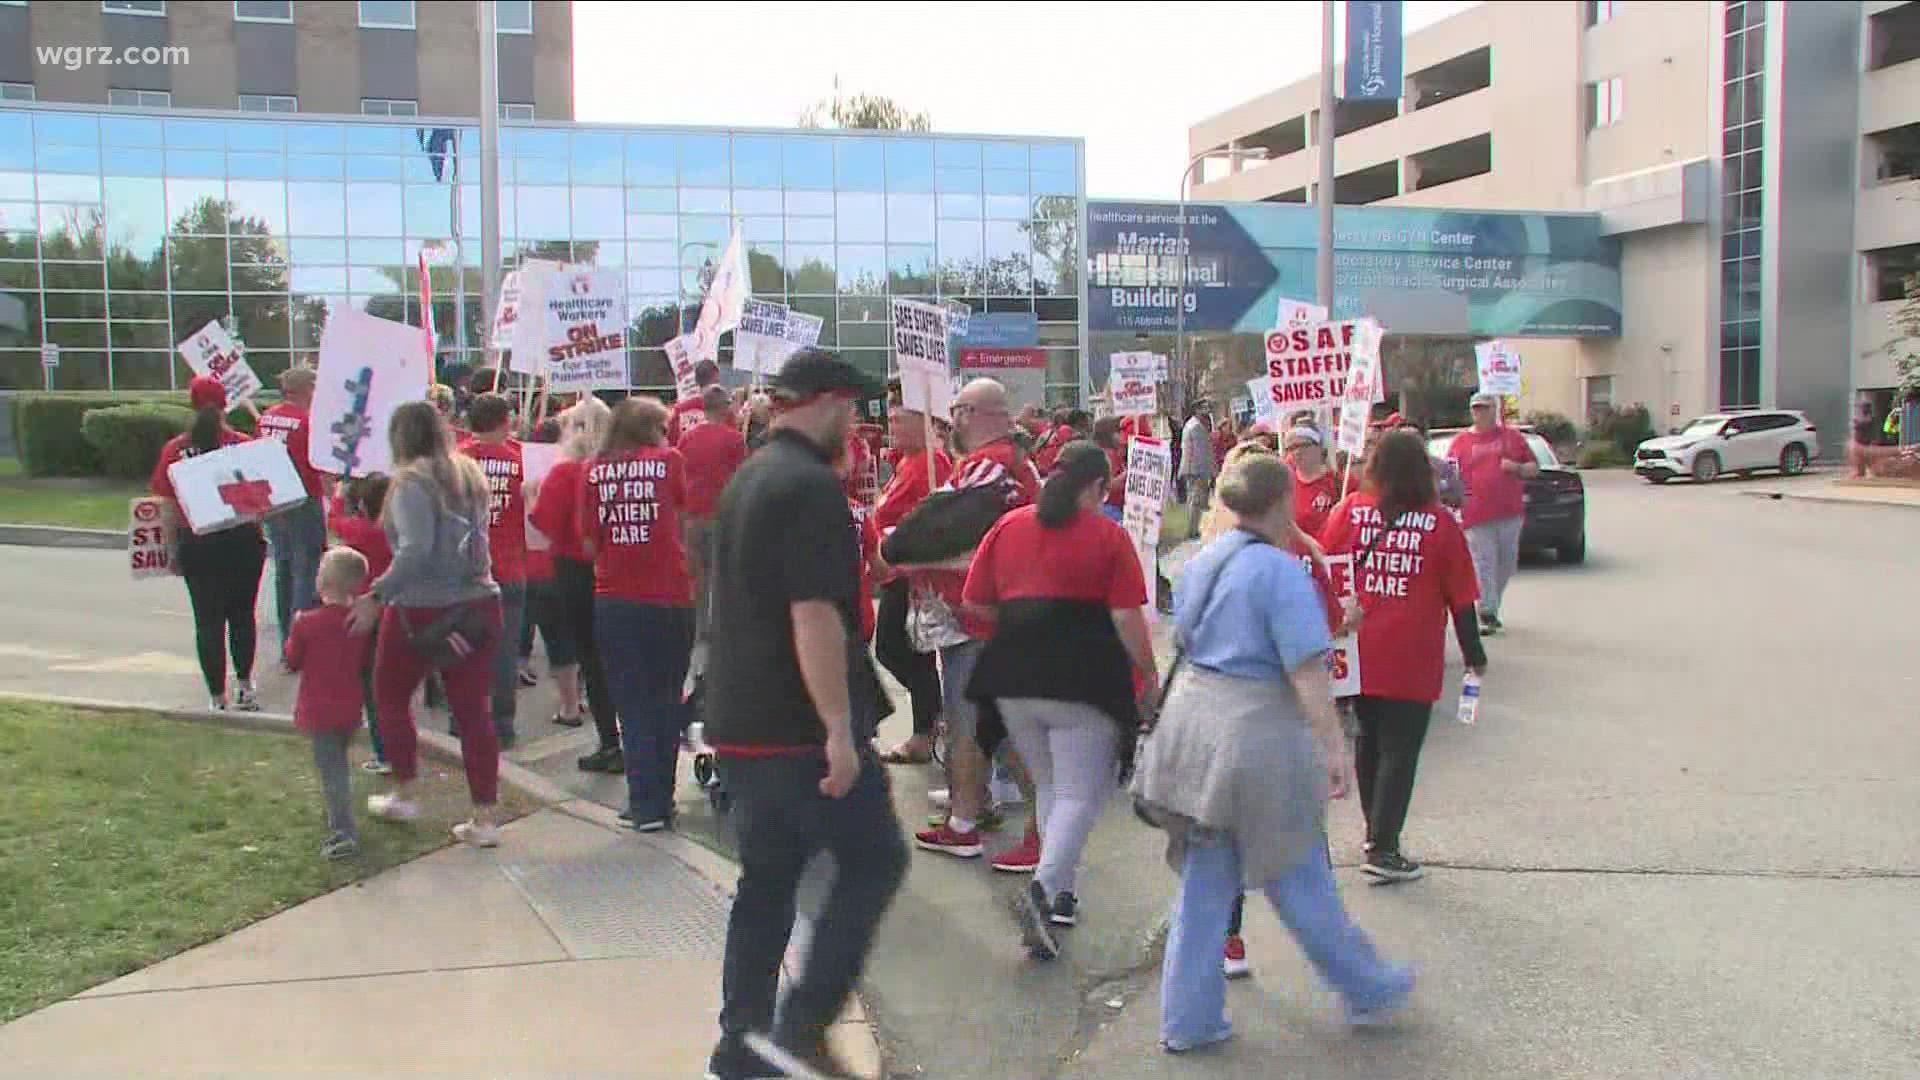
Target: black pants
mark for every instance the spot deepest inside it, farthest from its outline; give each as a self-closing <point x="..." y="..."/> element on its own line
<point x="576" y="604"/>
<point x="914" y="670"/>
<point x="1385" y="758"/>
<point x="782" y="821"/>
<point x="223" y="583"/>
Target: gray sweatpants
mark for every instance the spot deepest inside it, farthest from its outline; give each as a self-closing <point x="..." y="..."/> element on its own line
<point x="1495" y="547"/>
<point x="1072" y="752"/>
<point x="336" y="779"/>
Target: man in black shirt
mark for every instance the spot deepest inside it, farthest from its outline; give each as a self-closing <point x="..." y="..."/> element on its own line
<point x="792" y="705"/>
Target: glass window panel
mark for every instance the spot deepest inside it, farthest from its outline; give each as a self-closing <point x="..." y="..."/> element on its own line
<point x="766" y="270"/>
<point x="752" y="201"/>
<point x="375" y="279"/>
<point x="910" y="268"/>
<point x="70" y="232"/>
<point x="69" y="188"/>
<point x="80" y="369"/>
<point x="810" y="230"/>
<point x="129" y="131"/>
<point x="316" y="250"/>
<point x="961" y="180"/>
<point x="314" y="167"/>
<point x="655" y="200"/>
<point x="707" y="230"/>
<point x="144" y="267"/>
<point x="1756" y="51"/>
<point x="961" y="251"/>
<point x="134" y="162"/>
<point x="72" y="275"/>
<point x="859" y="164"/>
<point x="80" y="130"/>
<point x="263" y="201"/>
<point x="909" y="165"/>
<point x="650" y="160"/>
<point x="76" y="305"/>
<point x="703" y="161"/>
<point x="608" y="253"/>
<point x="861" y="217"/>
<point x="863" y="268"/>
<point x="68" y="159"/>
<point x="322" y="138"/>
<point x="865" y="309"/>
<point x="1009" y="259"/>
<point x="376" y="252"/>
<point x="653" y="226"/>
<point x="810" y="203"/>
<point x="1053" y="157"/>
<point x="317" y="279"/>
<point x="655" y="254"/>
<point x="705" y="201"/>
<point x="429" y="211"/>
<point x="810" y="270"/>
<point x="763" y="230"/>
<point x="374" y="209"/>
<point x="20" y="275"/>
<point x="1002" y="182"/>
<point x="870" y="335"/>
<point x="1004" y="155"/>
<point x="597" y="212"/>
<point x="534" y="142"/>
<point x="147" y="370"/>
<point x="542" y="213"/>
<point x="1008" y="207"/>
<point x="241" y="136"/>
<point x="262" y="321"/>
<point x="136" y="306"/>
<point x="1053" y="183"/>
<point x="197" y="264"/>
<point x="665" y="280"/>
<point x="910" y="218"/>
<point x="183" y="196"/>
<point x="597" y="157"/>
<point x="1750" y="242"/>
<point x="380" y="139"/>
<point x="373" y="167"/>
<point x="956" y="154"/>
<point x="1063" y="366"/>
<point x="540" y="170"/>
<point x="807" y="161"/>
<point x="756" y="161"/>
<point x="16" y="142"/>
<point x="196" y="134"/>
<point x="253" y="166"/>
<point x="961" y="206"/>
<point x="202" y="163"/>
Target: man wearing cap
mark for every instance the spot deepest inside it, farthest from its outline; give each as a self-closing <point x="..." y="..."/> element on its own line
<point x="1495" y="463"/>
<point x="1316" y="487"/>
<point x="792" y="706"/>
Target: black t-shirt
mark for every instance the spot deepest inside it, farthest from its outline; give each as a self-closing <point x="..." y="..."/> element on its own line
<point x="783" y="533"/>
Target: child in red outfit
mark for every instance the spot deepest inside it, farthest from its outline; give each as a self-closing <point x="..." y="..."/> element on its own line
<point x="330" y="661"/>
<point x="354" y="517"/>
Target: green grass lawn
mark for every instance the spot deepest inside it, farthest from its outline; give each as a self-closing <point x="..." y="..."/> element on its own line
<point x="77" y="503"/>
<point x="125" y="839"/>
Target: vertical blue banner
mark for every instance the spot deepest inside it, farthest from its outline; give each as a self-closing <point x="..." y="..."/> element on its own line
<point x="1374" y="53"/>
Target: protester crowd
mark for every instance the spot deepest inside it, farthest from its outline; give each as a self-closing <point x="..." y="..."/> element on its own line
<point x="742" y="559"/>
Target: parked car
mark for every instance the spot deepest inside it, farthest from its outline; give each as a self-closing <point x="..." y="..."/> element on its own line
<point x="1743" y="443"/>
<point x="1556" y="499"/>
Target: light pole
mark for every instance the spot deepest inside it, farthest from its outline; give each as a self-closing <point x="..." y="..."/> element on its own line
<point x="1179" y="373"/>
<point x="489" y="168"/>
<point x="1323" y="199"/>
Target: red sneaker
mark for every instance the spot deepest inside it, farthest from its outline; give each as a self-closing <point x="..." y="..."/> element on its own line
<point x="1235" y="965"/>
<point x="961" y="845"/>
<point x="1024" y="859"/>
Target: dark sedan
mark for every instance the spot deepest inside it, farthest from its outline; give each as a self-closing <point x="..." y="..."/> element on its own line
<point x="1556" y="500"/>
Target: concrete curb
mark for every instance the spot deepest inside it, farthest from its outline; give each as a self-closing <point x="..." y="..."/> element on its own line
<point x="854" y="1035"/>
<point x="59" y="536"/>
<point x="1832" y="498"/>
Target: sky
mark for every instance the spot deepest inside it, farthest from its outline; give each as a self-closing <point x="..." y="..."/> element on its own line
<point x="1129" y="78"/>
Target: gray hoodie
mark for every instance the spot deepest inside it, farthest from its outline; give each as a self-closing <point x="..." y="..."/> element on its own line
<point x="440" y="556"/>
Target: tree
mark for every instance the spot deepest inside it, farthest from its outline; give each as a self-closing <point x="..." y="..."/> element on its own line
<point x="870" y="112"/>
<point x="1905" y="348"/>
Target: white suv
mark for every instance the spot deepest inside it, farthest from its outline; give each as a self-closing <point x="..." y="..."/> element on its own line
<point x="1742" y="443"/>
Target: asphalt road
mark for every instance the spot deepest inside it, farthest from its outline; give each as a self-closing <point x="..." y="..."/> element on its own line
<point x="1680" y="842"/>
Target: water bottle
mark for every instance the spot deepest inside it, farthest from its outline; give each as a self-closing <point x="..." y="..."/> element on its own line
<point x="1469" y="698"/>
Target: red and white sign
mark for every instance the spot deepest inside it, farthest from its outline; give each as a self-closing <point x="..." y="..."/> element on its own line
<point x="244" y="482"/>
<point x="1149" y="475"/>
<point x="682" y="355"/>
<point x="150" y="538"/>
<point x="1130" y="384"/>
<point x="586" y="330"/>
<point x="426" y="306"/>
<point x="1499" y="368"/>
<point x="211" y="351"/>
<point x="1343" y="659"/>
<point x="1003" y="359"/>
<point x="1309" y="364"/>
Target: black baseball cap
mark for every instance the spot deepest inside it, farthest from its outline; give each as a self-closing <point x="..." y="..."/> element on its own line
<point x="812" y="372"/>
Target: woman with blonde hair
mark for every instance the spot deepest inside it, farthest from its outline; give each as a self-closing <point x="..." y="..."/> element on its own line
<point x="556" y="513"/>
<point x="437" y="608"/>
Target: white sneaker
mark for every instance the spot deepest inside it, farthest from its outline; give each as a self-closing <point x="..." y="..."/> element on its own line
<point x="246" y="698"/>
<point x="216" y="704"/>
<point x="941" y="798"/>
<point x="477" y="834"/>
<point x="392" y="808"/>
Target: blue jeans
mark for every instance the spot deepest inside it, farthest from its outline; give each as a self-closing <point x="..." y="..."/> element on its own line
<point x="296" y="539"/>
<point x="645" y="649"/>
<point x="1193" y="990"/>
<point x="506" y="659"/>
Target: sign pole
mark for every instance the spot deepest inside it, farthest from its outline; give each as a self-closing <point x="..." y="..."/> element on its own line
<point x="1323" y="274"/>
<point x="489" y="163"/>
<point x="926" y="428"/>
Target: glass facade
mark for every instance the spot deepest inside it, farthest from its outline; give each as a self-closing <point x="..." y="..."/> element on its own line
<point x="122" y="232"/>
<point x="1742" y="168"/>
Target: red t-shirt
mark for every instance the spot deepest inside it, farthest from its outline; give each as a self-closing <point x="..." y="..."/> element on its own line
<point x="908" y="487"/>
<point x="507" y="519"/>
<point x="1117" y="489"/>
<point x="712" y="452"/>
<point x="329" y="661"/>
<point x="291" y="425"/>
<point x="1047" y="456"/>
<point x="179" y="448"/>
<point x="1089" y="558"/>
<point x="861" y="480"/>
<point x="556" y="510"/>
<point x="868" y="536"/>
<point x="363" y="535"/>
<point x="979" y="466"/>
<point x="1493" y="493"/>
<point x="685" y="415"/>
<point x="1313" y="500"/>
<point x="1408" y="586"/>
<point x="630" y="512"/>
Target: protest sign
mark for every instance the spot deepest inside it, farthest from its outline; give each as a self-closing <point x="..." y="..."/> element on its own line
<point x="726" y="300"/>
<point x="681" y="359"/>
<point x="506" y="313"/>
<point x="1366" y="384"/>
<point x="212" y="351"/>
<point x="1149" y="473"/>
<point x="240" y="483"/>
<point x="1261" y="390"/>
<point x="1499" y="368"/>
<point x="920" y="345"/>
<point x="586" y="330"/>
<point x="1309" y="364"/>
<point x="536" y="461"/>
<point x="1343" y="658"/>
<point x="150" y="538"/>
<point x="1294" y="314"/>
<point x="526" y="330"/>
<point x="1130" y="384"/>
<point x="368" y="367"/>
<point x="769" y="333"/>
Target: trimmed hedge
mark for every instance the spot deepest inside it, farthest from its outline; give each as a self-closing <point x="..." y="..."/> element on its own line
<point x="49" y="438"/>
<point x="128" y="438"/>
<point x="1604" y="455"/>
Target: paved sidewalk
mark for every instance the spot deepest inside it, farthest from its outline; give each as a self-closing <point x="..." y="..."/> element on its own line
<point x="1856" y="493"/>
<point x="575" y="949"/>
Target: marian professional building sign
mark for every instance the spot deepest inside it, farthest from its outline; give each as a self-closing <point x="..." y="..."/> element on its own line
<point x="1418" y="271"/>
